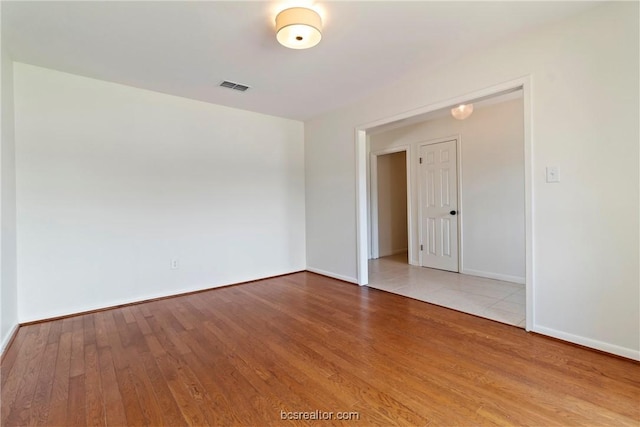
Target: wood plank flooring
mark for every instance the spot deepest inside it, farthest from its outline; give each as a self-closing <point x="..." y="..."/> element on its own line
<point x="243" y="355"/>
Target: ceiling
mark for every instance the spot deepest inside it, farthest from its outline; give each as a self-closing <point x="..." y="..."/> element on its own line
<point x="188" y="48"/>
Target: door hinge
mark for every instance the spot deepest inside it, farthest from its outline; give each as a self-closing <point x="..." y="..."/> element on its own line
<point x="420" y="160"/>
<point x="421" y="247"/>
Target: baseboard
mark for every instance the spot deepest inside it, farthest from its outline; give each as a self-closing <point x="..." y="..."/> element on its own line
<point x="141" y="300"/>
<point x="588" y="342"/>
<point x="399" y="251"/>
<point x="495" y="276"/>
<point x="333" y="275"/>
<point x="6" y="342"/>
<point x="393" y="252"/>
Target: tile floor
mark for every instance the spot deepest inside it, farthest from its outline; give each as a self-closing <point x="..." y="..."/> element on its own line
<point x="493" y="299"/>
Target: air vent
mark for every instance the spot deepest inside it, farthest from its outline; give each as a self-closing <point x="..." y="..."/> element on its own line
<point x="235" y="86"/>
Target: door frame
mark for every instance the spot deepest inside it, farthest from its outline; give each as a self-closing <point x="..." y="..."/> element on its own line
<point x="373" y="167"/>
<point x="455" y="138"/>
<point x="361" y="160"/>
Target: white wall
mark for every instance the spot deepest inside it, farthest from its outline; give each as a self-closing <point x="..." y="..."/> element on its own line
<point x="584" y="119"/>
<point x="492" y="185"/>
<point x="8" y="284"/>
<point x="392" y="203"/>
<point x="114" y="182"/>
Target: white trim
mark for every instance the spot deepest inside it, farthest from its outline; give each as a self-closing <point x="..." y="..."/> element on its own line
<point x="144" y="298"/>
<point x="528" y="204"/>
<point x="460" y="205"/>
<point x="410" y="235"/>
<point x="370" y="236"/>
<point x="333" y="275"/>
<point x="487" y="92"/>
<point x="362" y="223"/>
<point x="8" y="338"/>
<point x="362" y="244"/>
<point x="588" y="342"/>
<point x="438" y="140"/>
<point x="373" y="198"/>
<point x="373" y="206"/>
<point x="496" y="276"/>
<point x="369" y="201"/>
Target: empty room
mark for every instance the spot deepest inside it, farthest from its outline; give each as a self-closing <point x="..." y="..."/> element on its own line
<point x="331" y="213"/>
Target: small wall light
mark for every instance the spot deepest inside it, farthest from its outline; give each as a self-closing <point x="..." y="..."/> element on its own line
<point x="298" y="28"/>
<point x="462" y="111"/>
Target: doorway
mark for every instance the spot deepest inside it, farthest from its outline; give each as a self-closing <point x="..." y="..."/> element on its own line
<point x="480" y="195"/>
<point x="390" y="203"/>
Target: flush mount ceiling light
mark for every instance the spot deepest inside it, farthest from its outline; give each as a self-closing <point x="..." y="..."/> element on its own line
<point x="298" y="28"/>
<point x="462" y="111"/>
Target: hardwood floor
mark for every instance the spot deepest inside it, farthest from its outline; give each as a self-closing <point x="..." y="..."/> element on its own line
<point x="243" y="354"/>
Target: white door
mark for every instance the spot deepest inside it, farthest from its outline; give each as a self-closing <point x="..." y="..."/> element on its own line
<point x="439" y="206"/>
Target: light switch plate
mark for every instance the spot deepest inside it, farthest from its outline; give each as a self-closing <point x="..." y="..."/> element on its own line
<point x="553" y="174"/>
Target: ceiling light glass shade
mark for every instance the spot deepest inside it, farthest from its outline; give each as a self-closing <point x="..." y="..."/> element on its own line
<point x="298" y="28"/>
<point x="462" y="111"/>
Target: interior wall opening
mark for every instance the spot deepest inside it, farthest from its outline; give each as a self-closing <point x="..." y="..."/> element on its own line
<point x="468" y="223"/>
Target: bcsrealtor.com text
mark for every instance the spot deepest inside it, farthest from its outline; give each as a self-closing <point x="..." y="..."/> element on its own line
<point x="319" y="415"/>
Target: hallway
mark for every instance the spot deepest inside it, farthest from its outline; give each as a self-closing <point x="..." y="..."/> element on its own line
<point x="493" y="299"/>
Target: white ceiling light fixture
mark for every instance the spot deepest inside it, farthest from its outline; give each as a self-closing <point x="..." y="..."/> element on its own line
<point x="462" y="111"/>
<point x="298" y="28"/>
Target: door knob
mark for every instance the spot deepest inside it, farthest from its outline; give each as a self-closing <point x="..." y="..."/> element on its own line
<point x="453" y="212"/>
